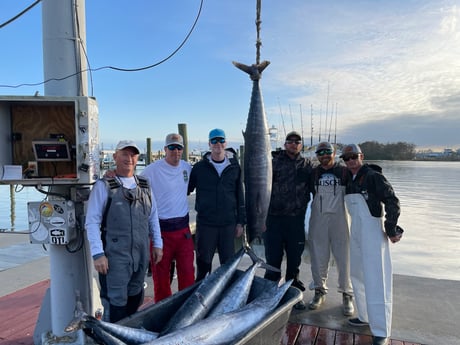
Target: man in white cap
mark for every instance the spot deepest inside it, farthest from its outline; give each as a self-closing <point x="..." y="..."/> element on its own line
<point x="121" y="218"/>
<point x="370" y="197"/>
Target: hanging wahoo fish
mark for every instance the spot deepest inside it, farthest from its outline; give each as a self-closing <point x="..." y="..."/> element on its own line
<point x="257" y="159"/>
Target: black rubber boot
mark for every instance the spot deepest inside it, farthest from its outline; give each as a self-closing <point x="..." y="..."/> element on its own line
<point x="134" y="302"/>
<point x="117" y="313"/>
<point x="202" y="269"/>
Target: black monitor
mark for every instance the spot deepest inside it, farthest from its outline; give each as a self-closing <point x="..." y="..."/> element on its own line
<point x="51" y="150"/>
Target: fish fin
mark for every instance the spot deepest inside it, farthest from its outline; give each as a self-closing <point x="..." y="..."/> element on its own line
<point x="254" y="71"/>
<point x="242" y="66"/>
<point x="255" y="259"/>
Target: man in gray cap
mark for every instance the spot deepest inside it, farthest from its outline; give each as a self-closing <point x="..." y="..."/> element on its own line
<point x="328" y="230"/>
<point x="368" y="197"/>
<point x="286" y="214"/>
<point x="169" y="179"/>
<point x="121" y="257"/>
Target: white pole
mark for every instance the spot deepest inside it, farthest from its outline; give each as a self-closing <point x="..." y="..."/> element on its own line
<point x="64" y="46"/>
<point x="63" y="59"/>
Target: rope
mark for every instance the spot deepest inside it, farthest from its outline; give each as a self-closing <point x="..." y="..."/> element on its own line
<point x="258" y="22"/>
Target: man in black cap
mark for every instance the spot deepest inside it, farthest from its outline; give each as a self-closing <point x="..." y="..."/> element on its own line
<point x="328" y="230"/>
<point x="286" y="214"/>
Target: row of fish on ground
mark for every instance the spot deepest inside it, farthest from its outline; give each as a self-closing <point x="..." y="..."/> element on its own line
<point x="217" y="312"/>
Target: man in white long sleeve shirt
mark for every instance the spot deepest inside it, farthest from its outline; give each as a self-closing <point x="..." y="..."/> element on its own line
<point x="121" y="217"/>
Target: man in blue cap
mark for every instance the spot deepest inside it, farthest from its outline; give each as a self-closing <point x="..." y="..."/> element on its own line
<point x="219" y="203"/>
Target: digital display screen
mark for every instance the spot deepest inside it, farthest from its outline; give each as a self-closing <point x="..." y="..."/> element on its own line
<point x="51" y="151"/>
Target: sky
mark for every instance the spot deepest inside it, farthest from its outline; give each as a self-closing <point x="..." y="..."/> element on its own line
<point x="353" y="70"/>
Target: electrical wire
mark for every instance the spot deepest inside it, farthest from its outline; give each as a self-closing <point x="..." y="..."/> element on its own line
<point x="118" y="68"/>
<point x="9" y="21"/>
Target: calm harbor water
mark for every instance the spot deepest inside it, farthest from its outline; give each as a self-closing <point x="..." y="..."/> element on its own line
<point x="430" y="197"/>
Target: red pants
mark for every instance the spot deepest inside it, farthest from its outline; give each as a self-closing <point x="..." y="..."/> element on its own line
<point x="177" y="245"/>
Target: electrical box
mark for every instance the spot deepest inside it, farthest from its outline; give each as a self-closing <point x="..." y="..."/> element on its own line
<point x="54" y="140"/>
<point x="52" y="221"/>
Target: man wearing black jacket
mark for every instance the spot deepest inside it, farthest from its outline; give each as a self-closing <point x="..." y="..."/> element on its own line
<point x="219" y="203"/>
<point x="286" y="214"/>
<point x="369" y="198"/>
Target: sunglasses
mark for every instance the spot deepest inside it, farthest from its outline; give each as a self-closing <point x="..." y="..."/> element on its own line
<point x="352" y="157"/>
<point x="174" y="147"/>
<point x="297" y="142"/>
<point x="217" y="140"/>
<point x="324" y="152"/>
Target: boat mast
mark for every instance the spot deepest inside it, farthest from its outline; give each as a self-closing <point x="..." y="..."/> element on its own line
<point x="327" y="110"/>
<point x="301" y="127"/>
<point x="335" y="129"/>
<point x="311" y="121"/>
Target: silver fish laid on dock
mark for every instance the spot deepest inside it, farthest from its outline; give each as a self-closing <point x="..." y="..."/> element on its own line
<point x="110" y="333"/>
<point x="205" y="296"/>
<point x="225" y="328"/>
<point x="237" y="294"/>
<point x="132" y="336"/>
<point x="257" y="159"/>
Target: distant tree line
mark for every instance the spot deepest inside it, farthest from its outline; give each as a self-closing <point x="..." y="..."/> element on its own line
<point x="400" y="151"/>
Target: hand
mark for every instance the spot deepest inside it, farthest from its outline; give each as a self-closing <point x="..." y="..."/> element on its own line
<point x="110" y="173"/>
<point x="157" y="255"/>
<point x="396" y="238"/>
<point x="101" y="264"/>
<point x="239" y="230"/>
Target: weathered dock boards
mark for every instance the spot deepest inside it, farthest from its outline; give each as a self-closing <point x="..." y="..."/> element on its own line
<point x="19" y="312"/>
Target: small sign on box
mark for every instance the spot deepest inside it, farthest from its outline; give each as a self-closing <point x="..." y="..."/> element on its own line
<point x="12" y="172"/>
<point x="32" y="169"/>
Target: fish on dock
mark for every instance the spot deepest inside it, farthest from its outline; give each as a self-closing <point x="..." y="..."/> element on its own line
<point x="109" y="333"/>
<point x="205" y="296"/>
<point x="225" y="328"/>
<point x="257" y="160"/>
<point x="237" y="294"/>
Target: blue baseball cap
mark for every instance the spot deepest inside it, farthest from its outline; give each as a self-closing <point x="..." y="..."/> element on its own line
<point x="216" y="133"/>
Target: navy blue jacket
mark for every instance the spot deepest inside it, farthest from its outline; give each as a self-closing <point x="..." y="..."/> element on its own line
<point x="219" y="199"/>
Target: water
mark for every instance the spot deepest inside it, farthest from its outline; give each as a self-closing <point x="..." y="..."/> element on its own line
<point x="429" y="193"/>
<point x="430" y="197"/>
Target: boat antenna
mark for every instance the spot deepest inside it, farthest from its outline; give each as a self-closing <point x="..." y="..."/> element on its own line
<point x="335" y="129"/>
<point x="290" y="114"/>
<point x="332" y="117"/>
<point x="301" y="128"/>
<point x="320" y="122"/>
<point x="327" y="110"/>
<point x="311" y="122"/>
<point x="282" y="117"/>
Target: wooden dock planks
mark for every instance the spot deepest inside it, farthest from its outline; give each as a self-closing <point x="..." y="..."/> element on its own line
<point x="19" y="312"/>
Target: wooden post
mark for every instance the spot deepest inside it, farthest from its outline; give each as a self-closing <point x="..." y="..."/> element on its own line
<point x="148" y="154"/>
<point x="183" y="131"/>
